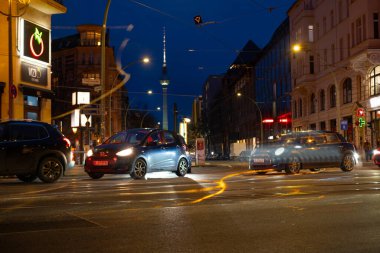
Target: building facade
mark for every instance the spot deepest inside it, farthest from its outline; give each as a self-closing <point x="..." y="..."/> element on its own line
<point x="76" y="64"/>
<point x="335" y="73"/>
<point x="25" y="59"/>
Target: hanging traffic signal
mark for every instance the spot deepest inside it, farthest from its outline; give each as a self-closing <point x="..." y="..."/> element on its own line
<point x="198" y="20"/>
<point x="369" y="124"/>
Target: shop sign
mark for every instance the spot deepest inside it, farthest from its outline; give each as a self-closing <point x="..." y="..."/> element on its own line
<point x="36" y="42"/>
<point x="34" y="74"/>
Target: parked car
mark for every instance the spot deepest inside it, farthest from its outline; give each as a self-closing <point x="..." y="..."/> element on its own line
<point x="137" y="152"/>
<point x="31" y="149"/>
<point x="305" y="150"/>
<point x="245" y="155"/>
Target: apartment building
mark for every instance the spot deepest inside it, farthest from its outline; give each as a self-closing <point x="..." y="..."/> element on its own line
<point x="336" y="67"/>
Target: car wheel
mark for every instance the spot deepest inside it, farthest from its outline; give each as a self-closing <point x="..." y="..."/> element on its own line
<point x="50" y="170"/>
<point x="294" y="165"/>
<point x="139" y="169"/>
<point x="348" y="162"/>
<point x="27" y="178"/>
<point x="95" y="175"/>
<point x="182" y="167"/>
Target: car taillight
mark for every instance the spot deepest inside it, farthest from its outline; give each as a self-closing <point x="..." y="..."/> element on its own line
<point x="67" y="141"/>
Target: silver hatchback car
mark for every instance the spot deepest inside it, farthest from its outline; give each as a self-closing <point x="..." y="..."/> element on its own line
<point x="137" y="152"/>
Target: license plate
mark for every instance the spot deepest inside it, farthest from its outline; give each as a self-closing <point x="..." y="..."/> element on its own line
<point x="258" y="160"/>
<point x="100" y="163"/>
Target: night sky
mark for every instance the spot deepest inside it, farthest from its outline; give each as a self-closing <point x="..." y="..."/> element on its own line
<point x="193" y="52"/>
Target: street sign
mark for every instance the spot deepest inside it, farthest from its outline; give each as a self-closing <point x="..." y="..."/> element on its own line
<point x="343" y="124"/>
<point x="90" y="110"/>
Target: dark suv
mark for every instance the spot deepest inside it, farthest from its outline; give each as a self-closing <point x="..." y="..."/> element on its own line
<point x="305" y="150"/>
<point x="31" y="149"/>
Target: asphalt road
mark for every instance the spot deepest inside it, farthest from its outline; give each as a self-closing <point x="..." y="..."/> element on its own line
<point x="221" y="207"/>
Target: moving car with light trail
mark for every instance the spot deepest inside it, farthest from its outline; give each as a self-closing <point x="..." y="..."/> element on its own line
<point x="137" y="152"/>
<point x="305" y="150"/>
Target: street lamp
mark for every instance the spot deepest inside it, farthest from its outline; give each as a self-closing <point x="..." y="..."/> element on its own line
<point x="261" y="116"/>
<point x="147" y="112"/>
<point x="144" y="60"/>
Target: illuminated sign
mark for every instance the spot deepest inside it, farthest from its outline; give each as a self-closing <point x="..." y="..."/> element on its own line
<point x="34" y="74"/>
<point x="360" y="112"/>
<point x="285" y="120"/>
<point x="36" y="42"/>
<point x="361" y="122"/>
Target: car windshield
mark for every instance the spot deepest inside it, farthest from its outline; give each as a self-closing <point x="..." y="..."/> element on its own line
<point x="133" y="136"/>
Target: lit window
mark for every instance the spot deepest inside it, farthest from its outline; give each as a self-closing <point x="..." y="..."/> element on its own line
<point x="311" y="33"/>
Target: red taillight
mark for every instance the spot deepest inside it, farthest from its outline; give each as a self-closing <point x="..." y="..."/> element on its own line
<point x="67" y="141"/>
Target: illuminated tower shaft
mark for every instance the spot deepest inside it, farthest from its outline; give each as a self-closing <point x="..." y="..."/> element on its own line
<point x="164" y="108"/>
<point x="164" y="83"/>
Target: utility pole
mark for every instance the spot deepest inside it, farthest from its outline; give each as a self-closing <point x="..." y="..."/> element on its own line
<point x="103" y="74"/>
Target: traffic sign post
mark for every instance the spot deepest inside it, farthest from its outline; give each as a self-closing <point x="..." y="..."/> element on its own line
<point x="343" y="125"/>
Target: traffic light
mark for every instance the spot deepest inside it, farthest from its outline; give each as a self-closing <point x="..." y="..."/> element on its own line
<point x="198" y="20"/>
<point x="369" y="124"/>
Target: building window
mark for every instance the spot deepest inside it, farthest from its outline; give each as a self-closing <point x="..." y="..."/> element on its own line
<point x="364" y="28"/>
<point x="347" y="91"/>
<point x="311" y="33"/>
<point x="322" y="100"/>
<point x="341" y="49"/>
<point x="300" y="107"/>
<point x="374" y="81"/>
<point x="333" y="125"/>
<point x="31" y="107"/>
<point x="325" y="59"/>
<point x="376" y="25"/>
<point x="295" y="109"/>
<point x="311" y="64"/>
<point x="313" y="126"/>
<point x="312" y="103"/>
<point x="358" y="31"/>
<point x="331" y="19"/>
<point x="332" y="54"/>
<point x="324" y="25"/>
<point x="322" y="125"/>
<point x="332" y="97"/>
<point x="90" y="39"/>
<point x="340" y="11"/>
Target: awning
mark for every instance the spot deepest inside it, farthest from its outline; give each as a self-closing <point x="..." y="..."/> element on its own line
<point x="36" y="91"/>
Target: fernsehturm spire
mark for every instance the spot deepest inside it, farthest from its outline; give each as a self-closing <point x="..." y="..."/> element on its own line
<point x="164" y="83"/>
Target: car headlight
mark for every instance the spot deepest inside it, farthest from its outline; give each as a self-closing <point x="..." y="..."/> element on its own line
<point x="279" y="151"/>
<point x="376" y="152"/>
<point x="90" y="153"/>
<point x="125" y="152"/>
